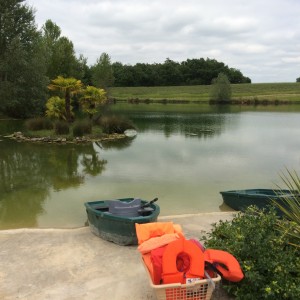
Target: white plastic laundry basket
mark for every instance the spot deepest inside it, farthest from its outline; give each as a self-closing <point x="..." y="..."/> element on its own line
<point x="198" y="290"/>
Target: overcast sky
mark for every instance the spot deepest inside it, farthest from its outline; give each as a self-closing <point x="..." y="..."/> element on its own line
<point x="261" y="38"/>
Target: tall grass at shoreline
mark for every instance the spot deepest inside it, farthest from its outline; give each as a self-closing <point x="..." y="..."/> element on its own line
<point x="289" y="92"/>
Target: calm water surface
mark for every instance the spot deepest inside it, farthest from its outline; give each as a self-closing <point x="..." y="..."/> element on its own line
<point x="184" y="155"/>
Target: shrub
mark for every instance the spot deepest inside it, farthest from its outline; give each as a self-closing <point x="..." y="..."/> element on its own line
<point x="61" y="127"/>
<point x="270" y="264"/>
<point x="220" y="88"/>
<point x="82" y="127"/>
<point x="38" y="124"/>
<point x="115" y="124"/>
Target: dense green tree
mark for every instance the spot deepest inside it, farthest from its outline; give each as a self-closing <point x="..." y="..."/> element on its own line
<point x="102" y="72"/>
<point x="64" y="59"/>
<point x="236" y="76"/>
<point x="221" y="89"/>
<point x="82" y="71"/>
<point x="123" y="74"/>
<point x="22" y="65"/>
<point x="140" y="76"/>
<point x="170" y="73"/>
<point x="51" y="34"/>
<point x="60" y="54"/>
<point x="298" y="79"/>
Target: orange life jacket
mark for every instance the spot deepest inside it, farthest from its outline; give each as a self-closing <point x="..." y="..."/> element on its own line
<point x="170" y="273"/>
<point x="146" y="231"/>
<point x="225" y="263"/>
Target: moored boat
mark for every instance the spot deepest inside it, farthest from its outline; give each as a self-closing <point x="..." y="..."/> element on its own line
<point x="241" y="199"/>
<point x="114" y="220"/>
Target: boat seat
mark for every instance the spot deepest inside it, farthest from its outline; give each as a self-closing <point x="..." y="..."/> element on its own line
<point x="124" y="209"/>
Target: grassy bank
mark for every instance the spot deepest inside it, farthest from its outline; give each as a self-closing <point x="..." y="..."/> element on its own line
<point x="286" y="92"/>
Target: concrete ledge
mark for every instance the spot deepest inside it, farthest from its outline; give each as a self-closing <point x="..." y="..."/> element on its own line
<point x="75" y="264"/>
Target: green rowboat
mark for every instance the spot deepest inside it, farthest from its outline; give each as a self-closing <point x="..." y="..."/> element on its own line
<point x="262" y="198"/>
<point x="114" y="220"/>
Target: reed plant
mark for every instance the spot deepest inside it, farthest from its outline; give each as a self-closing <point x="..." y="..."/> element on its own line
<point x="61" y="127"/>
<point x="38" y="123"/>
<point x="82" y="127"/>
<point x="115" y="124"/>
<point x="290" y="207"/>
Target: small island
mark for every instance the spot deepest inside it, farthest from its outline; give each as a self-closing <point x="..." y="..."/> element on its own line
<point x="20" y="137"/>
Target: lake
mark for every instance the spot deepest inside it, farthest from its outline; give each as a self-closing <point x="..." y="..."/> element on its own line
<point x="183" y="154"/>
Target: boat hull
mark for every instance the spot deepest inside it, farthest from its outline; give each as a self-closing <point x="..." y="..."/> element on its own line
<point x="262" y="198"/>
<point x="117" y="229"/>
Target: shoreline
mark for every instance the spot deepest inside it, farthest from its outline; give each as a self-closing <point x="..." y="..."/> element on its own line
<point x="167" y="218"/>
<point x="241" y="102"/>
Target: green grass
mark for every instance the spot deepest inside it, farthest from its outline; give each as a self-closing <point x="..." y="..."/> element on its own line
<point x="191" y="93"/>
<point x="200" y="93"/>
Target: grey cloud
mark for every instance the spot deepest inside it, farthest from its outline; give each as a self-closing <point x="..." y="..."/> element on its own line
<point x="261" y="38"/>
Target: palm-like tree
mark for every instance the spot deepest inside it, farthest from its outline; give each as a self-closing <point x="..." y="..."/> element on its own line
<point x="91" y="100"/>
<point x="69" y="87"/>
<point x="56" y="108"/>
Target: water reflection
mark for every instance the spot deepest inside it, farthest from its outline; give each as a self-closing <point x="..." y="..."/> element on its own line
<point x="189" y="124"/>
<point x="193" y="121"/>
<point x="118" y="144"/>
<point x="92" y="165"/>
<point x="29" y="171"/>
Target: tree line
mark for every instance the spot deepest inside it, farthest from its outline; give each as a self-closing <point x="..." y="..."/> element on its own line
<point x="189" y="72"/>
<point x="30" y="58"/>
